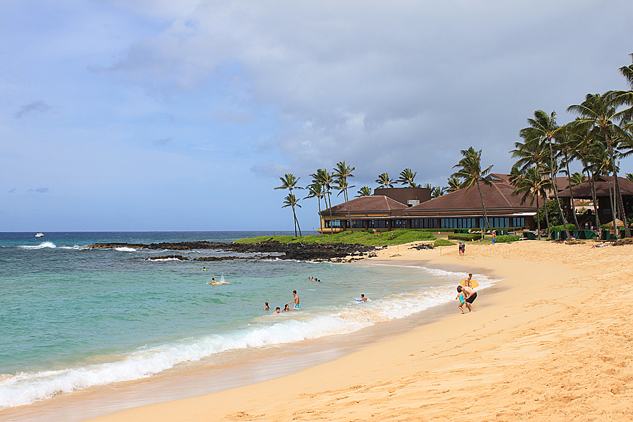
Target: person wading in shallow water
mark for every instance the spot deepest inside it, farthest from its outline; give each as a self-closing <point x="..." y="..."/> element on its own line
<point x="295" y="300"/>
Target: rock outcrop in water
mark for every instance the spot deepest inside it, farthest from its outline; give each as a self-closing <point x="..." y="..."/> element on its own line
<point x="298" y="251"/>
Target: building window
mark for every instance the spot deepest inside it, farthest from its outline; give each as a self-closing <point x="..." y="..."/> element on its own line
<point x="398" y="224"/>
<point x="423" y="223"/>
<point x="377" y="224"/>
<point x="336" y="224"/>
<point x="358" y="224"/>
<point x="518" y="222"/>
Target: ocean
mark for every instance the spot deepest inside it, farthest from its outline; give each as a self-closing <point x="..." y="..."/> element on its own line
<point x="74" y="318"/>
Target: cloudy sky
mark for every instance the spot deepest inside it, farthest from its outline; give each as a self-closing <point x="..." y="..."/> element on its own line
<point x="182" y="115"/>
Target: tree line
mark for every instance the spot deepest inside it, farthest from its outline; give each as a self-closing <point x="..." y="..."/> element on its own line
<point x="599" y="137"/>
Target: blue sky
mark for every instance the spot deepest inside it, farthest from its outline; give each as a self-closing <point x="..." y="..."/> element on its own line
<point x="163" y="115"/>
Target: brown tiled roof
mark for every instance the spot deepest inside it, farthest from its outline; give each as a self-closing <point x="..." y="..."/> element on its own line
<point x="583" y="190"/>
<point x="497" y="196"/>
<point x="364" y="204"/>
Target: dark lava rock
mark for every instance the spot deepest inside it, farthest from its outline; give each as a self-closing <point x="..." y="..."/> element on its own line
<point x="422" y="246"/>
<point x="298" y="251"/>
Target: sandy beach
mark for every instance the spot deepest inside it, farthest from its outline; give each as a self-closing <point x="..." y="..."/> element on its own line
<point x="553" y="342"/>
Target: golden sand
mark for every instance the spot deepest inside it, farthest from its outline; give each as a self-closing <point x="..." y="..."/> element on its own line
<point x="555" y="344"/>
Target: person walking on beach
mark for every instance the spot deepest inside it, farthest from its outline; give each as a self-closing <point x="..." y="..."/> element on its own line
<point x="469" y="296"/>
<point x="295" y="300"/>
<point x="467" y="281"/>
<point x="493" y="237"/>
<point x="462" y="248"/>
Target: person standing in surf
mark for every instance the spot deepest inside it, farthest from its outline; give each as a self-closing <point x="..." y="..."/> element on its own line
<point x="295" y="300"/>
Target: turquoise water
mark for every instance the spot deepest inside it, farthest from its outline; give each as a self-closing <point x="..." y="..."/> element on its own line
<point x="72" y="317"/>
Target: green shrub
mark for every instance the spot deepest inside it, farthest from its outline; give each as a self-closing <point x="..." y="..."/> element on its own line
<point x="507" y="238"/>
<point x="443" y="242"/>
<point x="395" y="237"/>
<point x="464" y="236"/>
<point x="561" y="228"/>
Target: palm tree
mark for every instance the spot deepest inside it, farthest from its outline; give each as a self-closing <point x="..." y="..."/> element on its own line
<point x="292" y="201"/>
<point x="364" y="191"/>
<point x="289" y="181"/>
<point x="437" y="191"/>
<point x="625" y="97"/>
<point x="342" y="171"/>
<point x="531" y="184"/>
<point x="577" y="178"/>
<point x="384" y="181"/>
<point x="453" y="184"/>
<point x="544" y="128"/>
<point x="598" y="113"/>
<point x="565" y="145"/>
<point x="325" y="179"/>
<point x="470" y="171"/>
<point x="629" y="176"/>
<point x="315" y="190"/>
<point x="407" y="176"/>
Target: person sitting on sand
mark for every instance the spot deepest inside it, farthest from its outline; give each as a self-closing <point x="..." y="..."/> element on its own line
<point x="287" y="308"/>
<point x="266" y="307"/>
<point x="363" y="298"/>
<point x="469" y="296"/>
<point x="295" y="300"/>
<point x="277" y="310"/>
<point x="460" y="296"/>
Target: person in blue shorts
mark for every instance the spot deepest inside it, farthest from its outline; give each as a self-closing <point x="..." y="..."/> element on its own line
<point x="295" y="300"/>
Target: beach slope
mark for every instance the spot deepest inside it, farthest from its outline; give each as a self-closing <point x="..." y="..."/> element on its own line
<point x="553" y="342"/>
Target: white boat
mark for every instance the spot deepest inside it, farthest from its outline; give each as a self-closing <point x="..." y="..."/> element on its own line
<point x="39" y="234"/>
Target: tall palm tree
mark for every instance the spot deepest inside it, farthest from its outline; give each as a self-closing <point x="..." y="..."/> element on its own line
<point x="544" y="128"/>
<point x="315" y="190"/>
<point x="531" y="184"/>
<point x="472" y="174"/>
<point x="342" y="171"/>
<point x="565" y="144"/>
<point x="384" y="181"/>
<point x="407" y="176"/>
<point x="292" y="201"/>
<point x="598" y="113"/>
<point x="364" y="191"/>
<point x="453" y="184"/>
<point x="289" y="181"/>
<point x="625" y="97"/>
<point x="325" y="178"/>
<point x="629" y="176"/>
<point x="585" y="140"/>
<point x="437" y="191"/>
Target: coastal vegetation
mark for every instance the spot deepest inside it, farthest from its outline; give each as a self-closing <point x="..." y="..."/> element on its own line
<point x="597" y="139"/>
<point x="365" y="237"/>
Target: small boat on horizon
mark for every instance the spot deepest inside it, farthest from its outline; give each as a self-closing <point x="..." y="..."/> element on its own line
<point x="39" y="234"/>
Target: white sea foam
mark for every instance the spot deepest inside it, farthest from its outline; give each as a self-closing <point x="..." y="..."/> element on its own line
<point x="40" y="246"/>
<point x="27" y="388"/>
<point x="125" y="249"/>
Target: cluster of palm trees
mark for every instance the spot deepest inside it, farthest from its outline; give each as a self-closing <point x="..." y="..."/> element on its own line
<point x="598" y="138"/>
<point x="321" y="188"/>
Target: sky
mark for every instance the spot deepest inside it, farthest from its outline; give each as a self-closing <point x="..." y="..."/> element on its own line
<point x="154" y="115"/>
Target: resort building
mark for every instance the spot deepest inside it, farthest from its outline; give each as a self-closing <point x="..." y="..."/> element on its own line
<point x="395" y="208"/>
<point x="604" y="195"/>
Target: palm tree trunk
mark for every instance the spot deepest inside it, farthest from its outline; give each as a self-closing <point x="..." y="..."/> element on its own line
<point x="481" y="197"/>
<point x="571" y="193"/>
<point x="320" y="219"/>
<point x="619" y="202"/>
<point x="549" y="232"/>
<point x="560" y="210"/>
<point x="295" y="219"/>
<point x="349" y="215"/>
<point x="594" y="199"/>
<point x="613" y="213"/>
<point x="331" y="222"/>
<point x="297" y="222"/>
<point x="538" y="220"/>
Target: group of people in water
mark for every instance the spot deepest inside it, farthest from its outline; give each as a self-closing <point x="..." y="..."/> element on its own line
<point x="466" y="293"/>
<point x="287" y="308"/>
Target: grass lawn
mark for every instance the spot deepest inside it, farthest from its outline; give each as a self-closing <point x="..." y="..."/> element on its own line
<point x="395" y="237"/>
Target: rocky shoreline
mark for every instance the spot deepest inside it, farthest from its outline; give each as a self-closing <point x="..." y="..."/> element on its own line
<point x="297" y="251"/>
